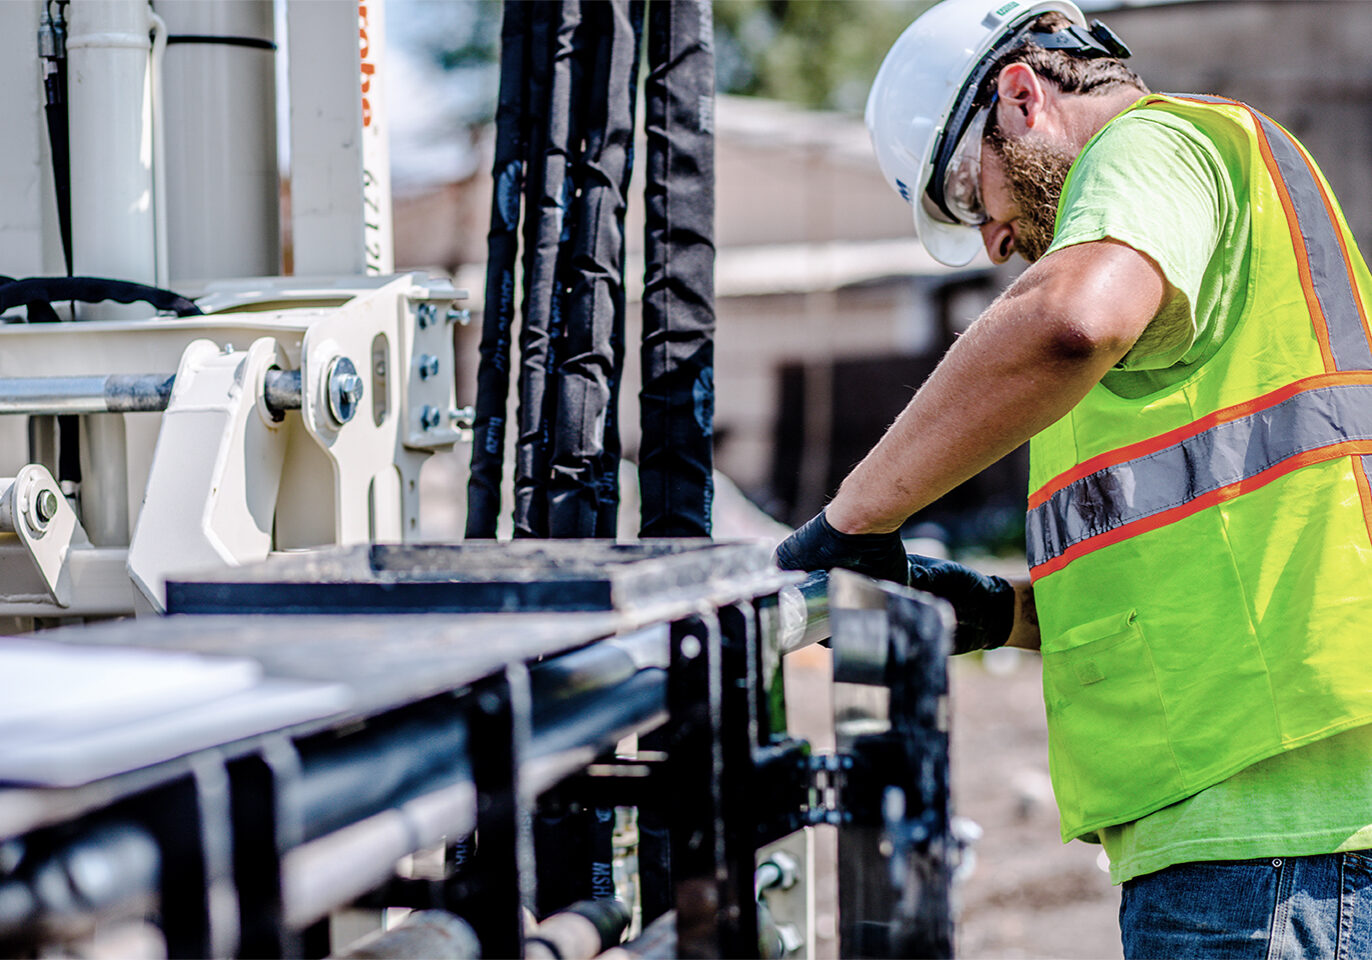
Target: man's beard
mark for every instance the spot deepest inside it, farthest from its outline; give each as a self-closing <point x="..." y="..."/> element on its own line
<point x="1036" y="170"/>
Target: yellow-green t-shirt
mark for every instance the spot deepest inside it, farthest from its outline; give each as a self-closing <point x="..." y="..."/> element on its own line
<point x="1157" y="182"/>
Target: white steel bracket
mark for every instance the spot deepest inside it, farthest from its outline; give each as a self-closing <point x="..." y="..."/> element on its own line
<point x="403" y="415"/>
<point x="212" y="490"/>
<point x="38" y="529"/>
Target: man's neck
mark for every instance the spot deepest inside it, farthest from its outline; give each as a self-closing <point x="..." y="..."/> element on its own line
<point x="1086" y="114"/>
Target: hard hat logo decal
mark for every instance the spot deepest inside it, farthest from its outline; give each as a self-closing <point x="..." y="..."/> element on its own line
<point x="1002" y="11"/>
<point x="904" y="191"/>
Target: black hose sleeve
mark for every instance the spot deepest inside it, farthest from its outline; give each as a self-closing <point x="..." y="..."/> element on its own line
<point x="676" y="401"/>
<point x="502" y="250"/>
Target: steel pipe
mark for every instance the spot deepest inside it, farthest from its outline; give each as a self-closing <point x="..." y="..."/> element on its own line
<point x="804" y="611"/>
<point x="580" y="932"/>
<point x="426" y="934"/>
<point x="121" y="393"/>
<point x="586" y="701"/>
<point x="657" y="942"/>
<point x="281" y="390"/>
<point x="111" y="871"/>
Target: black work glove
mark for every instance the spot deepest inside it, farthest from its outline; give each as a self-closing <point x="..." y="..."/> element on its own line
<point x="818" y="546"/>
<point x="985" y="605"/>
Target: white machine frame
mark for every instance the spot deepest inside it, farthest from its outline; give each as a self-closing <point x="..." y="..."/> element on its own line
<point x="163" y="195"/>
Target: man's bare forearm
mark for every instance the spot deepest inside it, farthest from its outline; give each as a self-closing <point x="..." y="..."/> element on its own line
<point x="1021" y="366"/>
<point x="1025" y="633"/>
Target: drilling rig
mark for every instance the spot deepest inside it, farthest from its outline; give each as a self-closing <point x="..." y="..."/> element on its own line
<point x="246" y="711"/>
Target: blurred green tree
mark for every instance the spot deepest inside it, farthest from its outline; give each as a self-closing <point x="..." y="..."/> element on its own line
<point x="817" y="53"/>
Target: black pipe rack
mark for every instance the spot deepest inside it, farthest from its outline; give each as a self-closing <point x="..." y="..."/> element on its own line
<point x="239" y="824"/>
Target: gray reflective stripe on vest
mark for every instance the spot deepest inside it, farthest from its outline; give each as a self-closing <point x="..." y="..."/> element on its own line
<point x="1320" y="237"/>
<point x="1201" y="464"/>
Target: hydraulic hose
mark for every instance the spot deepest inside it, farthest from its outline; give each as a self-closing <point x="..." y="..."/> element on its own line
<point x="546" y="194"/>
<point x="92" y="290"/>
<point x="502" y="248"/>
<point x="677" y="400"/>
<point x="583" y="492"/>
<point x="52" y="48"/>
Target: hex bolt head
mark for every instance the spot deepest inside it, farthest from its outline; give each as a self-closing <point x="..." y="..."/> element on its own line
<point x="45" y="505"/>
<point x="344" y="389"/>
<point x="459" y="316"/>
<point x="430" y="417"/>
<point x="427" y="314"/>
<point x="428" y="366"/>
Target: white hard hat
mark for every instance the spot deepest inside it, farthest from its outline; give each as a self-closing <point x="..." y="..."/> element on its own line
<point x="925" y="87"/>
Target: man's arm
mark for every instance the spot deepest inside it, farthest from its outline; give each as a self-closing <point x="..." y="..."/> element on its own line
<point x="1025" y="633"/>
<point x="1022" y="365"/>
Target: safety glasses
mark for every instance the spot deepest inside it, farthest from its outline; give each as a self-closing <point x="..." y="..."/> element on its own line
<point x="962" y="177"/>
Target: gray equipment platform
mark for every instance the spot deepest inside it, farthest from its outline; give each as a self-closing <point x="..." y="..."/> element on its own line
<point x="474" y="577"/>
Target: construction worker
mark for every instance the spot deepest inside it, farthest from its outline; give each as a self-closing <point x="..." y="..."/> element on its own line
<point x="1190" y="353"/>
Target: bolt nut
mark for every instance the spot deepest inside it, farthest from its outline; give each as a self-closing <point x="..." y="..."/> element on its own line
<point x="427" y="314"/>
<point x="428" y="366"/>
<point x="459" y="316"/>
<point x="344" y="389"/>
<point x="45" y="505"/>
<point x="351" y="387"/>
<point x="430" y="417"/>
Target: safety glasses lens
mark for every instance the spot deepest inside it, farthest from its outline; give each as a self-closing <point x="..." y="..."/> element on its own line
<point x="962" y="181"/>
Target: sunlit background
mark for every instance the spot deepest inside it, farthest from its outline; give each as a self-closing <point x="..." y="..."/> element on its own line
<point x="829" y="312"/>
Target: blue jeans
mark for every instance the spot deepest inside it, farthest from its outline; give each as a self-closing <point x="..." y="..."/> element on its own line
<point x="1270" y="909"/>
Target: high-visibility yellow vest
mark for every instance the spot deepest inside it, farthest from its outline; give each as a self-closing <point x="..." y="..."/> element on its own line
<point x="1202" y="556"/>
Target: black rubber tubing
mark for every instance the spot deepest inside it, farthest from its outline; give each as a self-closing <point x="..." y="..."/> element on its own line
<point x="550" y="87"/>
<point x="589" y="364"/>
<point x="677" y="399"/>
<point x="93" y="290"/>
<point x="502" y="251"/>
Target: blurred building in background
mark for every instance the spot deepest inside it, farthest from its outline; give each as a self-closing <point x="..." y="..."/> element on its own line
<point x="830" y="314"/>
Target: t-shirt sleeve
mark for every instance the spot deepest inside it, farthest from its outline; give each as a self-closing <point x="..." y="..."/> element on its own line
<point x="1148" y="182"/>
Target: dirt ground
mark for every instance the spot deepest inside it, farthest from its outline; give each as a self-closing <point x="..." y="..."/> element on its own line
<point x="1028" y="894"/>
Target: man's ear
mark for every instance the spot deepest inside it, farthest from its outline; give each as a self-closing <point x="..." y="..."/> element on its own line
<point x="1023" y="98"/>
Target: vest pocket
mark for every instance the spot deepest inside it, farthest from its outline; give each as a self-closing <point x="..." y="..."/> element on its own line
<point x="1108" y="741"/>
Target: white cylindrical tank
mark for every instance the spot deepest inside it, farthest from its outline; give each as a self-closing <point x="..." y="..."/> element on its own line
<point x="219" y="86"/>
<point x="110" y="95"/>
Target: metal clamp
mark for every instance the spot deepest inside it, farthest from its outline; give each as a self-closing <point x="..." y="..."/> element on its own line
<point x="32" y="507"/>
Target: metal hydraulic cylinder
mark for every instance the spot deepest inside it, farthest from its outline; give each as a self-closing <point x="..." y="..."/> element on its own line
<point x="222" y="182"/>
<point x="110" y="87"/>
